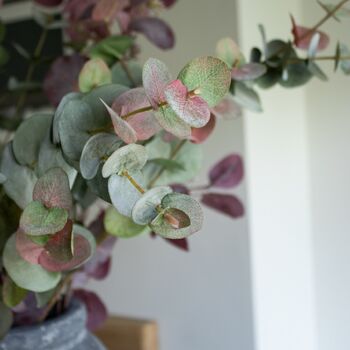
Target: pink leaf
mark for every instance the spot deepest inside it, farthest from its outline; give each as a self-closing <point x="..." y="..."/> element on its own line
<point x="249" y="71"/>
<point x="193" y="109"/>
<point x="78" y="9"/>
<point x="227" y="108"/>
<point x="155" y="30"/>
<point x="121" y="127"/>
<point x="224" y="203"/>
<point x="96" y="310"/>
<point x="107" y="10"/>
<point x="27" y="249"/>
<point x="201" y="134"/>
<point x="52" y="190"/>
<point x="156" y="77"/>
<point x="144" y="124"/>
<point x="62" y="77"/>
<point x="228" y="172"/>
<point x="303" y="37"/>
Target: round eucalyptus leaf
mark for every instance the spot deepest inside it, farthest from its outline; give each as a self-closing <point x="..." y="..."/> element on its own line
<point x="170" y="122"/>
<point x="247" y="97"/>
<point x="52" y="189"/>
<point x="295" y="74"/>
<point x="3" y="178"/>
<point x="269" y="79"/>
<point x="229" y="52"/>
<point x="145" y="209"/>
<point x="37" y="220"/>
<point x="28" y="137"/>
<point x="162" y="226"/>
<point x="27" y="249"/>
<point x="130" y="158"/>
<point x="121" y="226"/>
<point x="20" y="179"/>
<point x="158" y="148"/>
<point x="209" y="76"/>
<point x="50" y="156"/>
<point x="120" y="76"/>
<point x="189" y="157"/>
<point x="95" y="151"/>
<point x="123" y="194"/>
<point x="25" y="275"/>
<point x="11" y="293"/>
<point x="6" y="319"/>
<point x="98" y="186"/>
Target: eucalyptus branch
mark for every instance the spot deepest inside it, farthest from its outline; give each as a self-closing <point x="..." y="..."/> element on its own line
<point x="133" y="181"/>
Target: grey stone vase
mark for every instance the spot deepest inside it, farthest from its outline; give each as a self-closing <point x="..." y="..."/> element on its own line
<point x="66" y="332"/>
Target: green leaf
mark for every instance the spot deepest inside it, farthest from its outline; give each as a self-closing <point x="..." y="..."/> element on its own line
<point x="316" y="71"/>
<point x="123" y="194"/>
<point x="170" y="122"/>
<point x="12" y="294"/>
<point x="337" y="57"/>
<point x="3" y="178"/>
<point x="120" y="76"/>
<point x="94" y="73"/>
<point x="6" y="319"/>
<point x="185" y="207"/>
<point x="247" y="97"/>
<point x="43" y="298"/>
<point x="295" y="74"/>
<point x="97" y="150"/>
<point x="130" y="158"/>
<point x="37" y="220"/>
<point x="209" y="76"/>
<point x="229" y="52"/>
<point x="20" y="179"/>
<point x="345" y="64"/>
<point x="26" y="143"/>
<point x="113" y="47"/>
<point x="25" y="275"/>
<point x="121" y="226"/>
<point x="146" y="208"/>
<point x="168" y="164"/>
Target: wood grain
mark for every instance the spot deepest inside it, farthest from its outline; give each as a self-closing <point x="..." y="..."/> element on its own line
<point x="121" y="333"/>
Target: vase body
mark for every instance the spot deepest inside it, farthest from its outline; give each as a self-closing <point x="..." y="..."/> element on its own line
<point x="66" y="332"/>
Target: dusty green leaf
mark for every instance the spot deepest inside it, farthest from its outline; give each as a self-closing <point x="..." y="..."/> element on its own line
<point x="121" y="226"/>
<point x="130" y="158"/>
<point x="209" y="77"/>
<point x="12" y="294"/>
<point x="25" y="275"/>
<point x="95" y="72"/>
<point x="229" y="52"/>
<point x="146" y="208"/>
<point x="130" y="78"/>
<point x="37" y="220"/>
<point x="247" y="97"/>
<point x="6" y="319"/>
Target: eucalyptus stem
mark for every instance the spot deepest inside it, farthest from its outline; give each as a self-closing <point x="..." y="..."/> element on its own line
<point x="133" y="182"/>
<point x="37" y="52"/>
<point x="65" y="283"/>
<point x="175" y="151"/>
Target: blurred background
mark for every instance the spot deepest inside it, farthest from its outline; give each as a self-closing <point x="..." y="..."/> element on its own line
<point x="280" y="277"/>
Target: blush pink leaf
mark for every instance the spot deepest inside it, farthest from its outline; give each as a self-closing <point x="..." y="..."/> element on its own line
<point x="249" y="71"/>
<point x="121" y="127"/>
<point x="190" y="108"/>
<point x="224" y="203"/>
<point x="228" y="172"/>
<point x="107" y="10"/>
<point x="144" y="123"/>
<point x="27" y="249"/>
<point x="156" y="77"/>
<point x="303" y="37"/>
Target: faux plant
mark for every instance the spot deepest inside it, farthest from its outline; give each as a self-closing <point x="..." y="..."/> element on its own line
<point x="117" y="156"/>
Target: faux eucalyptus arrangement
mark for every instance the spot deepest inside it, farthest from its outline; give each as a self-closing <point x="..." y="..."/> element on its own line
<point x="116" y="157"/>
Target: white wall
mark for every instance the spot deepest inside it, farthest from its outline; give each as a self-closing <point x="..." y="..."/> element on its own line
<point x="202" y="299"/>
<point x="327" y="106"/>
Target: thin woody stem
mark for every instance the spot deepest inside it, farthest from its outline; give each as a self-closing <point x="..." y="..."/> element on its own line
<point x="133" y="181"/>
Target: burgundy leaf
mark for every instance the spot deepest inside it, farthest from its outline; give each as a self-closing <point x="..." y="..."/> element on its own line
<point x="228" y="172"/>
<point x="83" y="30"/>
<point x="96" y="310"/>
<point x="98" y="270"/>
<point x="182" y="244"/>
<point x="190" y="108"/>
<point x="224" y="203"/>
<point x="27" y="249"/>
<point x="303" y="37"/>
<point x="82" y="252"/>
<point x="199" y="135"/>
<point x="97" y="227"/>
<point x="78" y="9"/>
<point x="179" y="188"/>
<point x="107" y="10"/>
<point x="49" y="3"/>
<point x="155" y="30"/>
<point x="168" y="3"/>
<point x="62" y="77"/>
